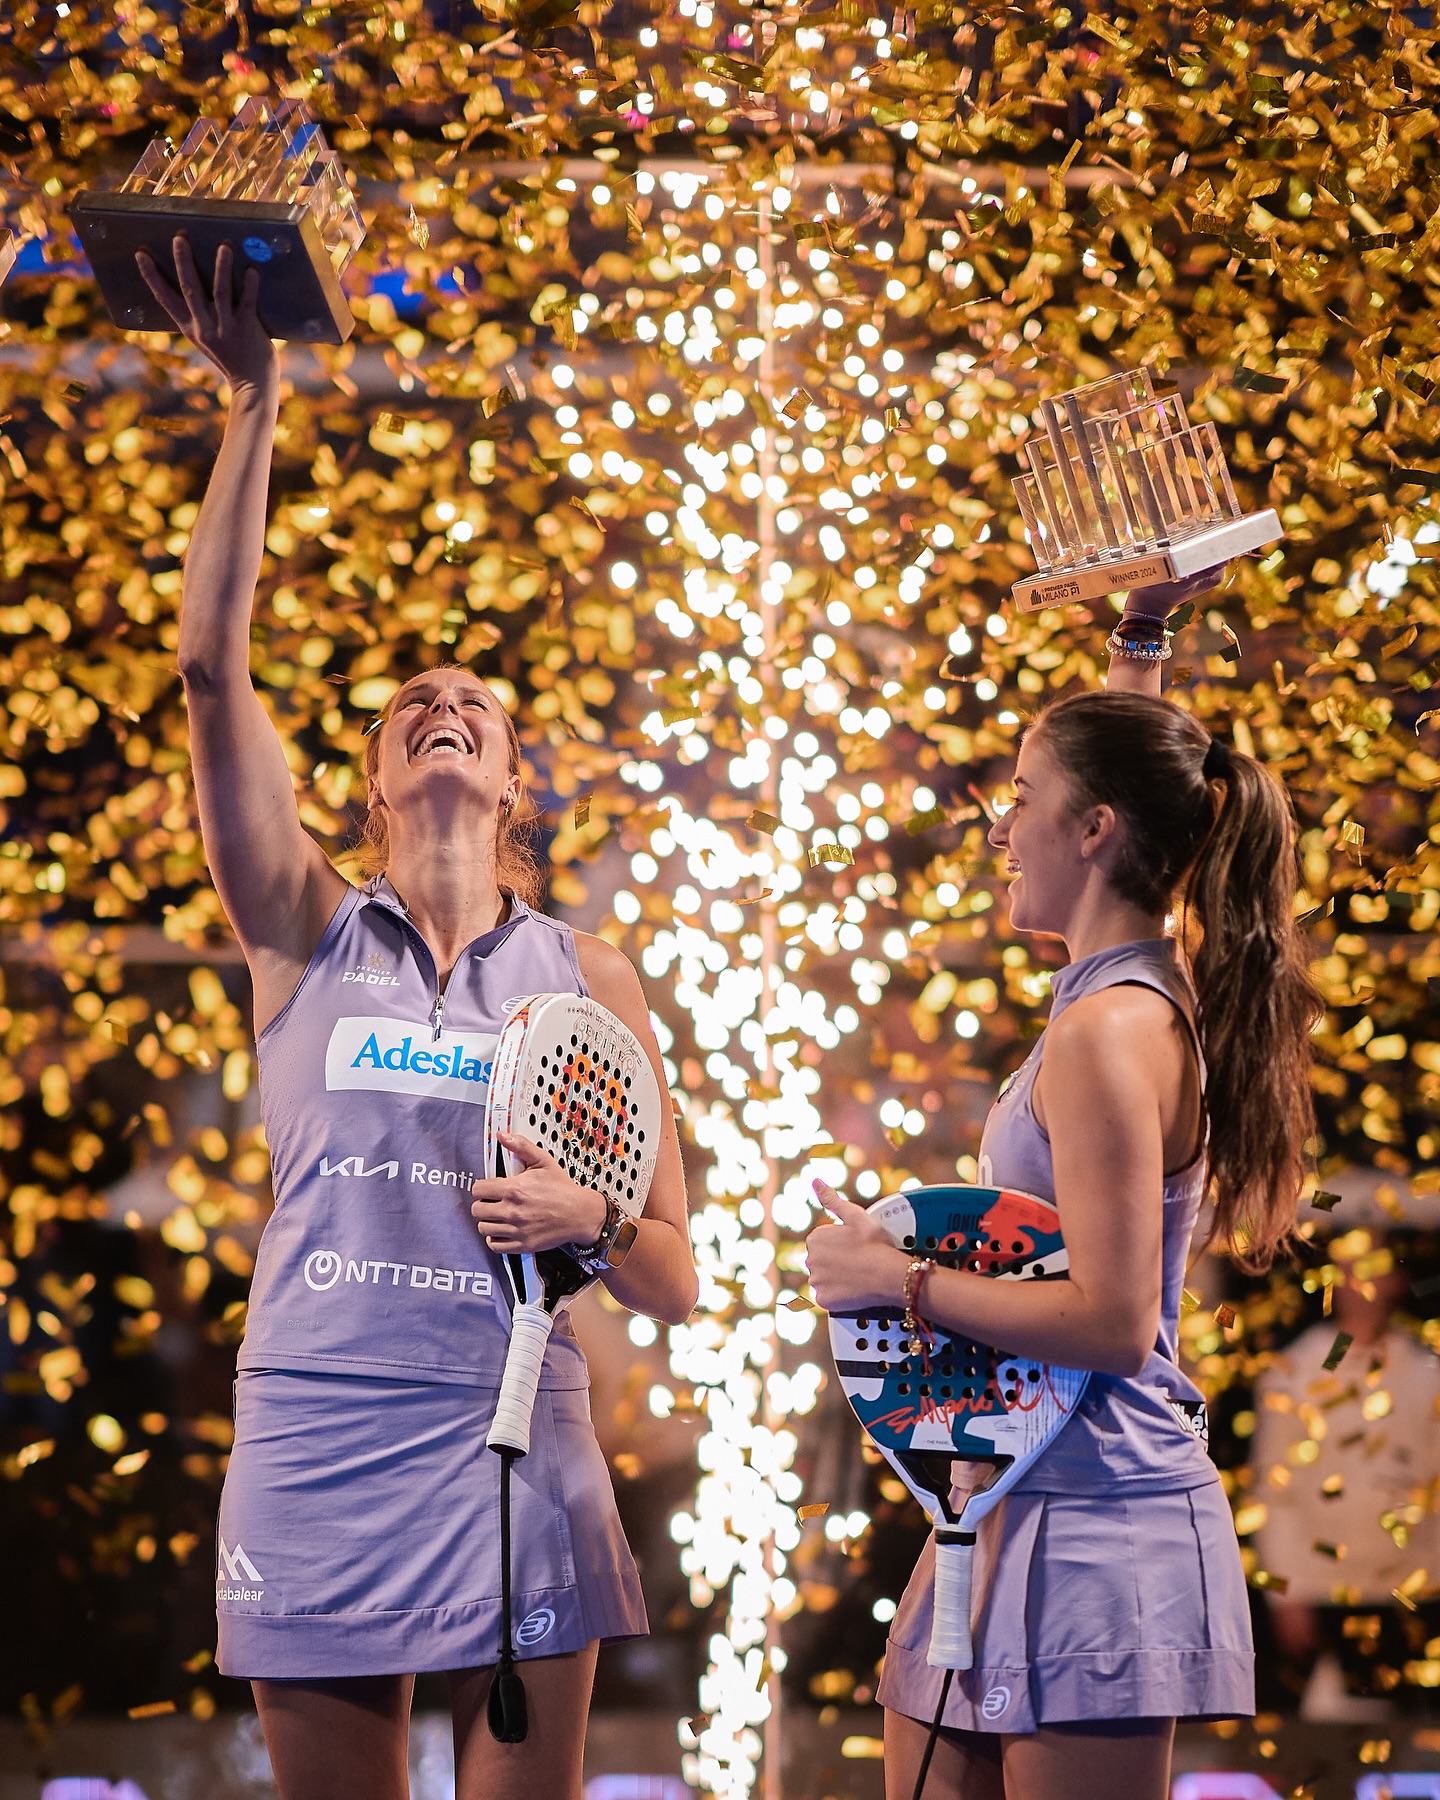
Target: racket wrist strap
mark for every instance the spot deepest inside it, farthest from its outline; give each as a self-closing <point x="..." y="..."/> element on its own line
<point x="915" y="1327"/>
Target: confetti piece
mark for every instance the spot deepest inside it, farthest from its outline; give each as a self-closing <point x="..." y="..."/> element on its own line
<point x="1336" y="1552"/>
<point x="763" y="821"/>
<point x="812" y="1509"/>
<point x="797" y="405"/>
<point x="831" y="1150"/>
<point x="582" y="811"/>
<point x="118" y="1032"/>
<point x="1426" y="478"/>
<point x="1324" y="1201"/>
<point x="1268" y="1583"/>
<point x="1257" y="382"/>
<point x="419" y="230"/>
<point x="581" y="506"/>
<point x="157" y="1709"/>
<point x="74" y="390"/>
<point x="155" y="422"/>
<point x="837" y="855"/>
<point x="755" y="899"/>
<point x="1225" y="1317"/>
<point x="893" y="418"/>
<point x="1352" y="835"/>
<point x="922" y="821"/>
<point x="1231" y="652"/>
<point x="496" y="402"/>
<point x="1336" y="1355"/>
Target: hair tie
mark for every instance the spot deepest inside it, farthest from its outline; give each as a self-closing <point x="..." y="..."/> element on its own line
<point x="1217" y="765"/>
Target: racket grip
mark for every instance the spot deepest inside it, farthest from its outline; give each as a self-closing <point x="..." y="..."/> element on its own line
<point x="950" y="1645"/>
<point x="529" y="1333"/>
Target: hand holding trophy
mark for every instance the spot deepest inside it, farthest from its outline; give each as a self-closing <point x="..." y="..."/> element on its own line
<point x="265" y="184"/>
<point x="1124" y="494"/>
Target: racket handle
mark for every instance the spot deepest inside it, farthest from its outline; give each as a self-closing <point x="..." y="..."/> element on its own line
<point x="950" y="1645"/>
<point x="529" y="1333"/>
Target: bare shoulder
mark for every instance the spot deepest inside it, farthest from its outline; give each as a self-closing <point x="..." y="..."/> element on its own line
<point x="1125" y="1007"/>
<point x="1121" y="1024"/>
<point x="609" y="973"/>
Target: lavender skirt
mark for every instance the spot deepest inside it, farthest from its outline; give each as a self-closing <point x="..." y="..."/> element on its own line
<point x="359" y="1531"/>
<point x="1122" y="1607"/>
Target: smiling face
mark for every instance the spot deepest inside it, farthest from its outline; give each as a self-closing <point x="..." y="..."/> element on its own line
<point x="446" y="743"/>
<point x="1054" y="850"/>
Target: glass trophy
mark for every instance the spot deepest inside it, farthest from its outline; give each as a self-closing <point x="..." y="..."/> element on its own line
<point x="1123" y="492"/>
<point x="268" y="184"/>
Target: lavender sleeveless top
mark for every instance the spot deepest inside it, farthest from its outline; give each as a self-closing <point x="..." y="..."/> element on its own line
<point x="373" y="1086"/>
<point x="1145" y="1433"/>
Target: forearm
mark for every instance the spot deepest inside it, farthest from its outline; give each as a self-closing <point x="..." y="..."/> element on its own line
<point x="1127" y="676"/>
<point x="1050" y="1321"/>
<point x="658" y="1276"/>
<point x="223" y="563"/>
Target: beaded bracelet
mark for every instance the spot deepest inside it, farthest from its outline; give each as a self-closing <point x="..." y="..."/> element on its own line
<point x="915" y="1326"/>
<point x="1139" y="640"/>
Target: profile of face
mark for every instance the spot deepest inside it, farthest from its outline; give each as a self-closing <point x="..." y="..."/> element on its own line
<point x="444" y="750"/>
<point x="1055" y="850"/>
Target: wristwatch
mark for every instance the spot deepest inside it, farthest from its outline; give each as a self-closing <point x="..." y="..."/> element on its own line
<point x="612" y="1246"/>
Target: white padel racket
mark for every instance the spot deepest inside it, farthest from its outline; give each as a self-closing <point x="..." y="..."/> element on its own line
<point x="931" y="1403"/>
<point x="575" y="1080"/>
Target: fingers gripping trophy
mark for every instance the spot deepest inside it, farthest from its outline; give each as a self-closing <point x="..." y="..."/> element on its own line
<point x="1124" y="495"/>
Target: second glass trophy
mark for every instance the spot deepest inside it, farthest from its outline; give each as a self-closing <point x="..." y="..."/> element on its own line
<point x="1123" y="492"/>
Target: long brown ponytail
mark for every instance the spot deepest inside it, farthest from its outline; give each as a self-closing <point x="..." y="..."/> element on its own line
<point x="1223" y="849"/>
<point x="519" y="867"/>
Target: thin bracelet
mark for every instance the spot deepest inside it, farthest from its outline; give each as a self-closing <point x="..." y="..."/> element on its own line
<point x="919" y="1333"/>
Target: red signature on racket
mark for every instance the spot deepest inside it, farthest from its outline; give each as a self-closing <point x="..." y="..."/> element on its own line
<point x="930" y="1410"/>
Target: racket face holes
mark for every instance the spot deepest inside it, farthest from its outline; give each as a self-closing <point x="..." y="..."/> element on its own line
<point x="862" y="1343"/>
<point x="908" y="1241"/>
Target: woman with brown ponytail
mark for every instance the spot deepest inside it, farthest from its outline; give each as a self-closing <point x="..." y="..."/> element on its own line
<point x="1109" y="1598"/>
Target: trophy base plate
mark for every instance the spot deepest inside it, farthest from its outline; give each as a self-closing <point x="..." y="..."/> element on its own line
<point x="300" y="293"/>
<point x="1210" y="548"/>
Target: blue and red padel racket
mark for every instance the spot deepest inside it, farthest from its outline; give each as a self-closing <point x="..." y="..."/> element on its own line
<point x="937" y="1400"/>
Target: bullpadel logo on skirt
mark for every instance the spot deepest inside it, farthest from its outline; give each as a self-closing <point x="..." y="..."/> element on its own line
<point x="396" y="1056"/>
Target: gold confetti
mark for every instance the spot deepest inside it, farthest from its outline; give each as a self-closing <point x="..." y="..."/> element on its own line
<point x="763" y="821"/>
<point x="419" y="230"/>
<point x="1336" y="1354"/>
<point x="797" y="405"/>
<point x="156" y="1709"/>
<point x="812" y="1509"/>
<point x="837" y="855"/>
<point x="1323" y="1201"/>
<point x="1224" y="1317"/>
<point x="582" y="812"/>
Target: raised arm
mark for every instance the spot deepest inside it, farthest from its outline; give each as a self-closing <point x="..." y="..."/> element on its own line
<point x="1142" y="626"/>
<point x="275" y="883"/>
